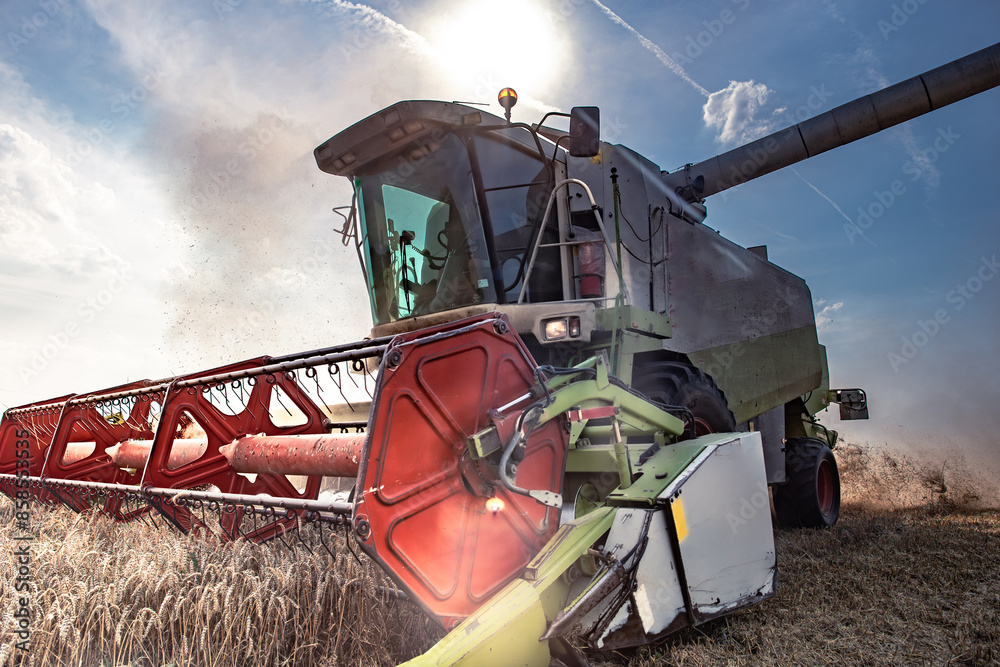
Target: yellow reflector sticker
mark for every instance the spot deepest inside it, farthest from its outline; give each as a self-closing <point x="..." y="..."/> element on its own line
<point x="682" y="529"/>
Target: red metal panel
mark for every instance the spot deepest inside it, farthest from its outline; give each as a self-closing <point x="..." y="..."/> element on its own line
<point x="56" y="430"/>
<point x="220" y="428"/>
<point x="415" y="514"/>
<point x="82" y="422"/>
<point x="36" y="424"/>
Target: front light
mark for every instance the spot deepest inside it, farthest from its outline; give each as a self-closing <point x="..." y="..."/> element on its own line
<point x="556" y="329"/>
<point x="560" y="328"/>
<point x="574" y="327"/>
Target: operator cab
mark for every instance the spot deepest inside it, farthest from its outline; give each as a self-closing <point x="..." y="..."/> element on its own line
<point x="449" y="202"/>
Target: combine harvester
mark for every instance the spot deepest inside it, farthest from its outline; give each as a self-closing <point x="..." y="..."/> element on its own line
<point x="577" y="394"/>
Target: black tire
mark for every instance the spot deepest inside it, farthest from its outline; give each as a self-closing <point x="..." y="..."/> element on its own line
<point x="678" y="384"/>
<point x="810" y="497"/>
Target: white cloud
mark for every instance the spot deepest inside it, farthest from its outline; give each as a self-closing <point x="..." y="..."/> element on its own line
<point x="42" y="208"/>
<point x="824" y="318"/>
<point x="75" y="214"/>
<point x="738" y="112"/>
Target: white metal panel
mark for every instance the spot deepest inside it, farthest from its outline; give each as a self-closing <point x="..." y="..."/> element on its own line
<point x="728" y="549"/>
<point x="658" y="596"/>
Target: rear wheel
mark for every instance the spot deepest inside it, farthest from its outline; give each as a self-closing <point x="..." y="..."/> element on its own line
<point x="811" y="496"/>
<point x="688" y="387"/>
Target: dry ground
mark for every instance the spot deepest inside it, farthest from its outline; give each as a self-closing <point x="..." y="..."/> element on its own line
<point x="908" y="576"/>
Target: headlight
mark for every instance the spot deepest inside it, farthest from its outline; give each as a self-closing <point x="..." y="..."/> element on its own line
<point x="556" y="329"/>
<point x="560" y="328"/>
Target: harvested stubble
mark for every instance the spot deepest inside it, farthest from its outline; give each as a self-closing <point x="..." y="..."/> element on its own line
<point x="908" y="576"/>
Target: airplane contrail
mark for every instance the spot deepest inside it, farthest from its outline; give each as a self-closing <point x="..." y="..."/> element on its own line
<point x="834" y="205"/>
<point x="657" y="51"/>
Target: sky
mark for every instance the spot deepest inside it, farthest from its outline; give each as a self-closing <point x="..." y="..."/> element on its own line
<point x="161" y="211"/>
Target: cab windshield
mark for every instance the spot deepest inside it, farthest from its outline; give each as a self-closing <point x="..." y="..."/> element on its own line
<point x="426" y="239"/>
<point x="422" y="234"/>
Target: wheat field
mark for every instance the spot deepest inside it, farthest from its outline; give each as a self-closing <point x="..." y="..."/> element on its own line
<point x="908" y="576"/>
<point x="112" y="594"/>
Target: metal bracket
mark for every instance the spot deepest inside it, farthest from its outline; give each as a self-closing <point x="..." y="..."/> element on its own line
<point x="853" y="403"/>
<point x="583" y="414"/>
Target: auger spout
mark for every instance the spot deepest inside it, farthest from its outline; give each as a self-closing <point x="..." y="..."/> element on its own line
<point x="939" y="87"/>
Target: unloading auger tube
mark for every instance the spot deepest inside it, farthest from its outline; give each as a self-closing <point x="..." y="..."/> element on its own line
<point x="934" y="89"/>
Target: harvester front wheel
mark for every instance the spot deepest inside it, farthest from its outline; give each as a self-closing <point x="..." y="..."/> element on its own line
<point x="811" y="496"/>
<point x="688" y="387"/>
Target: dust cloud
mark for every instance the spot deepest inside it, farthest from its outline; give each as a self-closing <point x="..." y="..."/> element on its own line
<point x="261" y="269"/>
<point x="260" y="273"/>
<point x="887" y="477"/>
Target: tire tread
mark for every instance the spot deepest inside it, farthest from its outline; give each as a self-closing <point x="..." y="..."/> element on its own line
<point x="796" y="502"/>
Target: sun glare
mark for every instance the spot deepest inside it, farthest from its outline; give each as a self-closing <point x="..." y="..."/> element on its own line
<point x="497" y="44"/>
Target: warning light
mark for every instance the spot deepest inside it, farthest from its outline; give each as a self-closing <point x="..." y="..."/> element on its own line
<point x="494" y="505"/>
<point x="507" y="99"/>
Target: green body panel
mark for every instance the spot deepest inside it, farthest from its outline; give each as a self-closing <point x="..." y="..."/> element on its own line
<point x="634" y="413"/>
<point x="819" y="400"/>
<point x="504" y="631"/>
<point x="633" y="318"/>
<point x="594" y="458"/>
<point x="789" y="364"/>
<point x="816" y="401"/>
<point x="638" y="330"/>
<point x="601" y="458"/>
<point x="660" y="471"/>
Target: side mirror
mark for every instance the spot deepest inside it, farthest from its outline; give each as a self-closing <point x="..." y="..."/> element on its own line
<point x="584" y="131"/>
